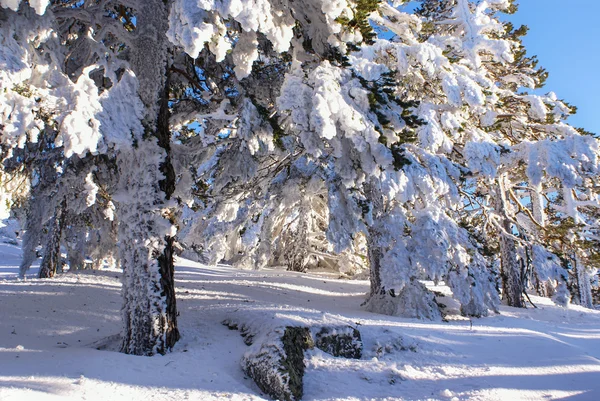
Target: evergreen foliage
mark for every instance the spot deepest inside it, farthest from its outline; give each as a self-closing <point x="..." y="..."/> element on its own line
<point x="292" y="133"/>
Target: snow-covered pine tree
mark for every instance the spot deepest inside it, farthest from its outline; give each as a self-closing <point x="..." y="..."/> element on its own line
<point x="510" y="139"/>
<point x="73" y="65"/>
<point x="348" y="103"/>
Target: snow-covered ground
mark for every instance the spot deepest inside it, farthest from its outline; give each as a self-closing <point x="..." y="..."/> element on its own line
<point x="49" y="330"/>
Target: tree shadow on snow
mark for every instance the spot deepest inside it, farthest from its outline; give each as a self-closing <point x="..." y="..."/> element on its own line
<point x="56" y="322"/>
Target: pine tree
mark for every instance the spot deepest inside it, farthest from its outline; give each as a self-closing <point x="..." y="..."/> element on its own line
<point x="513" y="139"/>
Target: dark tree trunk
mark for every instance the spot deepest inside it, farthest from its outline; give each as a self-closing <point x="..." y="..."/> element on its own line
<point x="51" y="261"/>
<point x="37" y="210"/>
<point x="379" y="300"/>
<point x="167" y="185"/>
<point x="374" y="255"/>
<point x="149" y="305"/>
<point x="297" y="252"/>
<point x="31" y="239"/>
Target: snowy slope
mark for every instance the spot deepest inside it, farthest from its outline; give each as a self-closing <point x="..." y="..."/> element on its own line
<point x="48" y="330"/>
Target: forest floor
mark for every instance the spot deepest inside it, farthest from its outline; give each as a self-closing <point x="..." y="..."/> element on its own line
<point x="49" y="331"/>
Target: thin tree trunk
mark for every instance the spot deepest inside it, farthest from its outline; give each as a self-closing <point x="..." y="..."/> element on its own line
<point x="76" y="250"/>
<point x="297" y="252"/>
<point x="543" y="288"/>
<point x="37" y="209"/>
<point x="374" y="251"/>
<point x="51" y="261"/>
<point x="512" y="282"/>
<point x="31" y="239"/>
<point x="583" y="284"/>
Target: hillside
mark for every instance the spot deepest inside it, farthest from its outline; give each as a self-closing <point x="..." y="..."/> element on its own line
<point x="50" y="329"/>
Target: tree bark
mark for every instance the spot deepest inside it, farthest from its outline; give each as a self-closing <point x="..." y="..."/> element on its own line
<point x="512" y="282"/>
<point x="76" y="248"/>
<point x="149" y="304"/>
<point x="374" y="251"/>
<point x="37" y="210"/>
<point x="31" y="238"/>
<point x="297" y="252"/>
<point x="51" y="261"/>
<point x="414" y="300"/>
<point x="584" y="284"/>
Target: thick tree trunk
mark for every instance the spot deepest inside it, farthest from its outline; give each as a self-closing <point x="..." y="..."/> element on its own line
<point x="414" y="300"/>
<point x="149" y="310"/>
<point x="149" y="305"/>
<point x="51" y="261"/>
<point x="512" y="282"/>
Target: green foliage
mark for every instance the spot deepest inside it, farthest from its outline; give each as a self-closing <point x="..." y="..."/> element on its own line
<point x="360" y="21"/>
<point x="337" y="58"/>
<point x="411" y="120"/>
<point x="278" y="132"/>
<point x="400" y="160"/>
<point x="529" y="65"/>
<point x="583" y="131"/>
<point x="513" y="8"/>
<point x="22" y="90"/>
<point x="364" y="205"/>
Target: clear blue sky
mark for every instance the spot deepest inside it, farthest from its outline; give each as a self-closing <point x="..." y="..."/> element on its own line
<point x="565" y="35"/>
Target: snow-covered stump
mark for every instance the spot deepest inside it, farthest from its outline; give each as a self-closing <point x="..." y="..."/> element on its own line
<point x="275" y="360"/>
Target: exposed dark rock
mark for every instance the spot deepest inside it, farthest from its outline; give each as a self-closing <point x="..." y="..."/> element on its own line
<point x="276" y="359"/>
<point x="278" y="366"/>
<point x="244" y="331"/>
<point x="340" y="341"/>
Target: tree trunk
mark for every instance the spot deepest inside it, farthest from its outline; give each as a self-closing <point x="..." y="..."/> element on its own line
<point x="145" y="232"/>
<point x="76" y="247"/>
<point x="414" y="300"/>
<point x="297" y="252"/>
<point x="37" y="210"/>
<point x="31" y="239"/>
<point x="51" y="261"/>
<point x="543" y="288"/>
<point x="512" y="281"/>
<point x="584" y="284"/>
